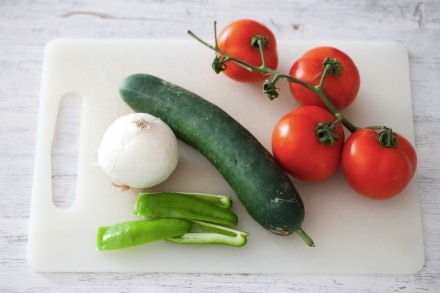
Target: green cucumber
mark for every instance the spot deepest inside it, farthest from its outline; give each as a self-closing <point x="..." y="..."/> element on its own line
<point x="259" y="182"/>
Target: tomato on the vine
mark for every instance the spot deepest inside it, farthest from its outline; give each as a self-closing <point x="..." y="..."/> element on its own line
<point x="236" y="40"/>
<point x="374" y="170"/>
<point x="297" y="148"/>
<point x="341" y="85"/>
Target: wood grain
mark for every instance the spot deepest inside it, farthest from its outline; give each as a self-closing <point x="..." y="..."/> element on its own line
<point x="25" y="28"/>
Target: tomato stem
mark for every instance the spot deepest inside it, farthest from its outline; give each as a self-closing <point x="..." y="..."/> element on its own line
<point x="331" y="66"/>
<point x="319" y="90"/>
<point x="350" y="126"/>
<point x="260" y="42"/>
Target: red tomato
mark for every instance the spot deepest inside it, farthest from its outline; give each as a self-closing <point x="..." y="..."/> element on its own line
<point x="376" y="171"/>
<point x="341" y="89"/>
<point x="296" y="147"/>
<point x="235" y="39"/>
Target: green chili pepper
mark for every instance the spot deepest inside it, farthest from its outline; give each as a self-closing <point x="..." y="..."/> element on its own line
<point x="209" y="233"/>
<point x="224" y="201"/>
<point x="133" y="233"/>
<point x="179" y="205"/>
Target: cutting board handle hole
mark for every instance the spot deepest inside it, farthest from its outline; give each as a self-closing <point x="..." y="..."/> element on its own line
<point x="65" y="151"/>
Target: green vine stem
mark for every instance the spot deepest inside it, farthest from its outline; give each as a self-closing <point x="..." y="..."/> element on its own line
<point x="331" y="66"/>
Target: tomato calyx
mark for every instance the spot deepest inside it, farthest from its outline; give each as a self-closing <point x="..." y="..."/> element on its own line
<point x="386" y="137"/>
<point x="326" y="132"/>
<point x="270" y="89"/>
<point x="333" y="67"/>
<point x="218" y="65"/>
<point x="259" y="42"/>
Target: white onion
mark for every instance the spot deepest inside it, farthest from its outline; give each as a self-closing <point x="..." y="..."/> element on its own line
<point x="138" y="150"/>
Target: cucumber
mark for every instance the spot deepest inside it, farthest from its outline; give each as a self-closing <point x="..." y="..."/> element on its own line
<point x="261" y="185"/>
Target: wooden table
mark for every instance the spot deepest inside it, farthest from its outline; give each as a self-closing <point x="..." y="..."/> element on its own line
<point x="27" y="26"/>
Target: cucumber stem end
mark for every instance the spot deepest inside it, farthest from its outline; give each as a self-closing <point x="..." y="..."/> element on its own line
<point x="307" y="239"/>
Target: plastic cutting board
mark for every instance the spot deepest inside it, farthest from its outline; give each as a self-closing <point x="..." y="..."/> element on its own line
<point x="353" y="234"/>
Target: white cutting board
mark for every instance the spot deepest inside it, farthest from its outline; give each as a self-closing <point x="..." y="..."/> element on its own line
<point x="353" y="234"/>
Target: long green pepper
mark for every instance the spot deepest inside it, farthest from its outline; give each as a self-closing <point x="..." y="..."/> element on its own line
<point x="183" y="218"/>
<point x="183" y="206"/>
<point x="133" y="233"/>
<point x="223" y="201"/>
